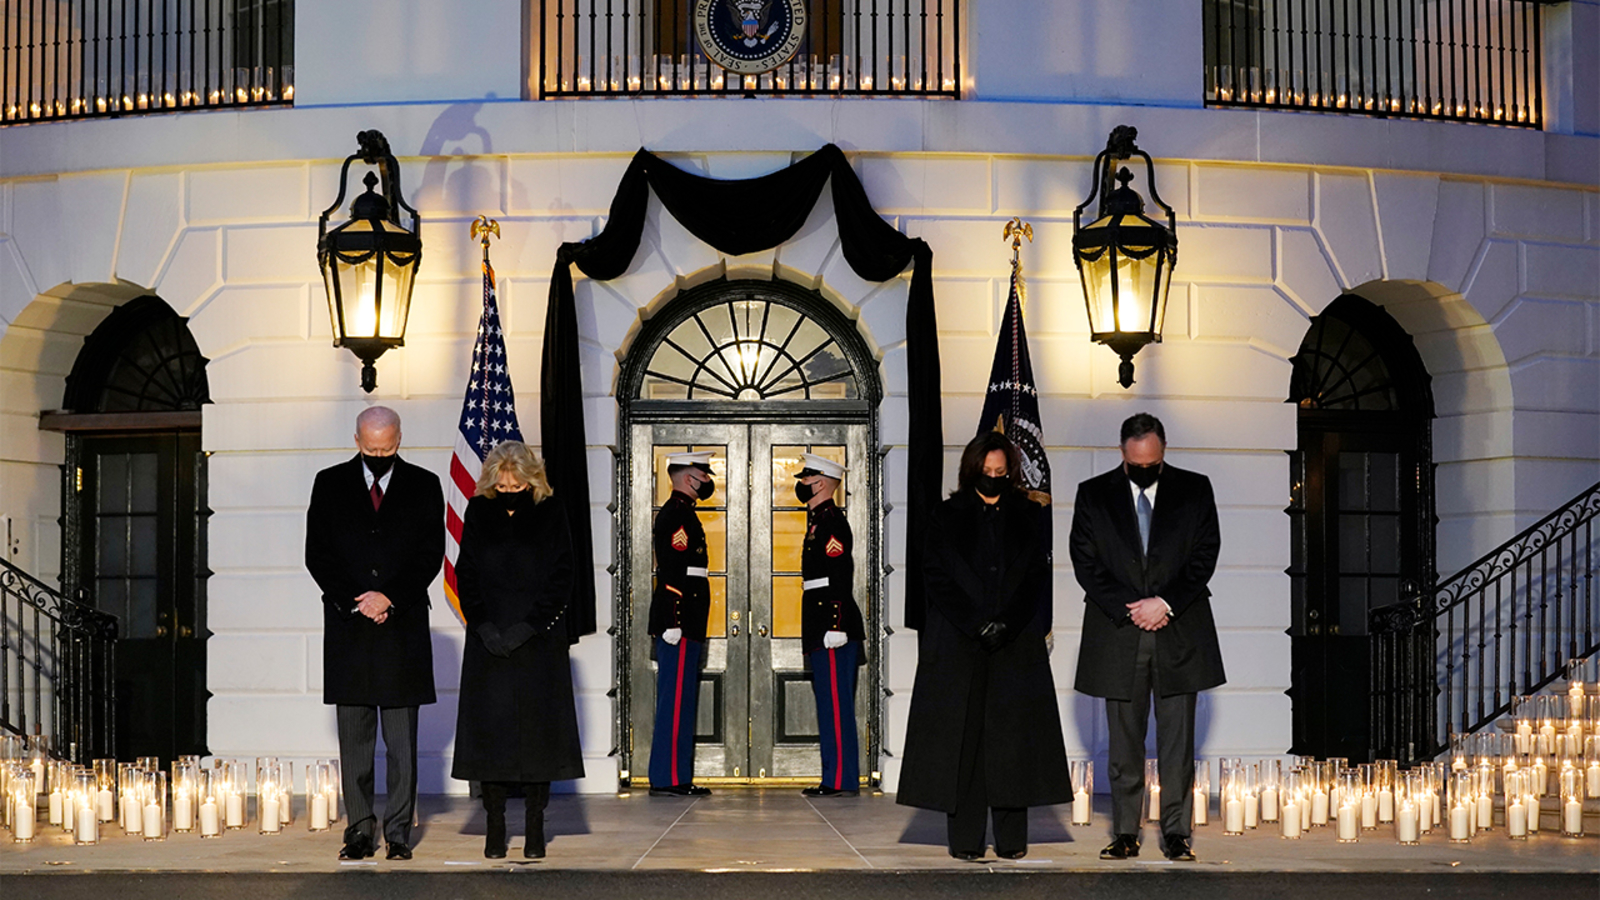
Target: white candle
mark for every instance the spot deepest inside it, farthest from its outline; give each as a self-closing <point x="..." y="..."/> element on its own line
<point x="1485" y="811"/>
<point x="183" y="811"/>
<point x="152" y="820"/>
<point x="319" y="812"/>
<point x="1347" y="822"/>
<point x="1425" y="814"/>
<point x="1517" y="818"/>
<point x="88" y="826"/>
<point x="1458" y="823"/>
<point x="1291" y="819"/>
<point x="1155" y="802"/>
<point x="1319" y="807"/>
<point x="1305" y="814"/>
<point x="286" y="808"/>
<point x="1233" y="817"/>
<point x="1385" y="805"/>
<point x="108" y="808"/>
<point x="1591" y="777"/>
<point x="269" y="813"/>
<point x="132" y="817"/>
<point x="1541" y="778"/>
<point x="1547" y="738"/>
<point x="1269" y="804"/>
<point x="38" y="773"/>
<point x="1531" y="804"/>
<point x="55" y="807"/>
<point x="1250" y="810"/>
<point x="208" y="818"/>
<point x="1202" y="807"/>
<point x="22" y="820"/>
<point x="1572" y="817"/>
<point x="235" y="810"/>
<point x="1437" y="802"/>
<point x="1405" y="824"/>
<point x="1369" y="811"/>
<point x="69" y="812"/>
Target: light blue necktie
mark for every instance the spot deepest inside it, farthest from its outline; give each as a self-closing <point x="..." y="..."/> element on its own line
<point x="1143" y="507"/>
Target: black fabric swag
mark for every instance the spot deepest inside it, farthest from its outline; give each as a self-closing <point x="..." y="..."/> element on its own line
<point x="736" y="217"/>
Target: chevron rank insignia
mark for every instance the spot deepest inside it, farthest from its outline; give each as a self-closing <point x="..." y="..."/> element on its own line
<point x="680" y="539"/>
<point x="834" y="547"/>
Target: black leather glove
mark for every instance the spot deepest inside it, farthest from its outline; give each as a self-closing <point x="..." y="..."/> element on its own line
<point x="516" y="635"/>
<point x="493" y="641"/>
<point x="992" y="635"/>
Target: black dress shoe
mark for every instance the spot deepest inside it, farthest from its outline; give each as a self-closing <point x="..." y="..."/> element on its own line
<point x="1012" y="854"/>
<point x="357" y="848"/>
<point x="967" y="855"/>
<point x="398" y="850"/>
<point x="1123" y="846"/>
<point x="825" y="791"/>
<point x="676" y="790"/>
<point x="1178" y="848"/>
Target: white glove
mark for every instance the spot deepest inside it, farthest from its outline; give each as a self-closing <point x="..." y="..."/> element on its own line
<point x="833" y="640"/>
<point x="672" y="636"/>
<point x="1050" y="642"/>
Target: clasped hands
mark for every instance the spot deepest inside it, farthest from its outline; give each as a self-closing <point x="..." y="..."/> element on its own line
<point x="503" y="643"/>
<point x="374" y="606"/>
<point x="1149" y="614"/>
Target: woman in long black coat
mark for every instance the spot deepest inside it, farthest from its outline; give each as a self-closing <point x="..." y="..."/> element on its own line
<point x="984" y="733"/>
<point x="517" y="722"/>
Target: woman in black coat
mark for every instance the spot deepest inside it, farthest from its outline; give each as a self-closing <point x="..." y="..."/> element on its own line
<point x="517" y="722"/>
<point x="984" y="732"/>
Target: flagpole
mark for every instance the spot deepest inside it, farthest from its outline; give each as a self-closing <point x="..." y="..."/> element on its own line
<point x="483" y="225"/>
<point x="1015" y="231"/>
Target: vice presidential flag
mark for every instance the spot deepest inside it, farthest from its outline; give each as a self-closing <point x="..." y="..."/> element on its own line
<point x="1011" y="405"/>
<point x="488" y="416"/>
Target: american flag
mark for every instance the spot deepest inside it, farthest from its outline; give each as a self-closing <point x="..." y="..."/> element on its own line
<point x="488" y="416"/>
<point x="1011" y="405"/>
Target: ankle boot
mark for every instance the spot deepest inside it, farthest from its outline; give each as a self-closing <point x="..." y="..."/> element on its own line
<point x="538" y="798"/>
<point x="494" y="804"/>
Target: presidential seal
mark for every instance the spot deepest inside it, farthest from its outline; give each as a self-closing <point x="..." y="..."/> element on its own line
<point x="750" y="36"/>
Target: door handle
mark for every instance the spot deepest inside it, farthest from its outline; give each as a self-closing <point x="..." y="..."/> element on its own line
<point x="734" y="632"/>
<point x="161" y="631"/>
<point x="762" y="631"/>
<point x="185" y="631"/>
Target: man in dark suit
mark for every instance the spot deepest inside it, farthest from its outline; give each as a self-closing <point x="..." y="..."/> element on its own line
<point x="1144" y="565"/>
<point x="374" y="542"/>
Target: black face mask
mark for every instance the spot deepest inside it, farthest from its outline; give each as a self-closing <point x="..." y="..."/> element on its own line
<point x="706" y="489"/>
<point x="992" y="485"/>
<point x="1143" y="476"/>
<point x="803" y="491"/>
<point x="378" y="465"/>
<point x="509" y="500"/>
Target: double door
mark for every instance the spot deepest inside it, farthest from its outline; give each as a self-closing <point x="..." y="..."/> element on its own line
<point x="757" y="718"/>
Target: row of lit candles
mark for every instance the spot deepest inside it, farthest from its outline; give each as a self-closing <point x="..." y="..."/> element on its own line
<point x="708" y="76"/>
<point x="137" y="102"/>
<point x="136" y="796"/>
<point x="1363" y="103"/>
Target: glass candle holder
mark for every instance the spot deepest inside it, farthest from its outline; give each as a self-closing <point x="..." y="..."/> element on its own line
<point x="1252" y="796"/>
<point x="1271" y="788"/>
<point x="1366" y="787"/>
<point x="1459" y="750"/>
<point x="66" y="777"/>
<point x="235" y="789"/>
<point x="1385" y="773"/>
<point x="1571" y="802"/>
<point x="1549" y="709"/>
<point x="1230" y="794"/>
<point x="1152" y="791"/>
<point x="1462" y="812"/>
<point x="286" y="794"/>
<point x="1407" y="814"/>
<point x="155" y="812"/>
<point x="1291" y="804"/>
<point x="1202" y="792"/>
<point x="1516" y="806"/>
<point x="1318" y="791"/>
<point x="1082" y="772"/>
<point x="185" y="788"/>
<point x="21" y="803"/>
<point x="1591" y="767"/>
<point x="1348" y="814"/>
<point x="129" y="813"/>
<point x="85" y="812"/>
<point x="317" y="796"/>
<point x="105" y="777"/>
<point x="269" y="794"/>
<point x="210" y="804"/>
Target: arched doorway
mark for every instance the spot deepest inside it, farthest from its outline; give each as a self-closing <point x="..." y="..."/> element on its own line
<point x="1361" y="512"/>
<point x="757" y="372"/>
<point x="134" y="517"/>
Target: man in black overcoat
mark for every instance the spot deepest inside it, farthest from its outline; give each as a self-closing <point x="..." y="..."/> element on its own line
<point x="1144" y="544"/>
<point x="374" y="542"/>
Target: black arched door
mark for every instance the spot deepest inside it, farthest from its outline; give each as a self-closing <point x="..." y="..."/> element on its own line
<point x="134" y="518"/>
<point x="1362" y="513"/>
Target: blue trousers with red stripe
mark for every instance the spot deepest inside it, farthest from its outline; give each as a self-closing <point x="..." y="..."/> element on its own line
<point x="677" y="698"/>
<point x="833" y="681"/>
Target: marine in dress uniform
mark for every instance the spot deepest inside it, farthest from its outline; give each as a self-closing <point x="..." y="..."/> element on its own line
<point x="679" y="609"/>
<point x="831" y="633"/>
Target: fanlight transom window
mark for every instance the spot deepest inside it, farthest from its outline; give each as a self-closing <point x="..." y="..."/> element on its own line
<point x="748" y="348"/>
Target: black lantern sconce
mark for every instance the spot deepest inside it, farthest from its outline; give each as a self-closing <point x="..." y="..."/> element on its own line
<point x="1125" y="258"/>
<point x="369" y="264"/>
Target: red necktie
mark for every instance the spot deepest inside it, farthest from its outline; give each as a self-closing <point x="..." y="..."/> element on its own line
<point x="377" y="495"/>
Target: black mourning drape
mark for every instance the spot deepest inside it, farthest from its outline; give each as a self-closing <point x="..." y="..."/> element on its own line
<point x="737" y="217"/>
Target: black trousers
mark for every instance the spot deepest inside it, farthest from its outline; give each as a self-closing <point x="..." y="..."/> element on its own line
<point x="965" y="826"/>
<point x="358" y="741"/>
<point x="1129" y="722"/>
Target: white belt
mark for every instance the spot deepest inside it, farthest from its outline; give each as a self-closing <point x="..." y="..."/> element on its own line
<point x="699" y="571"/>
<point x="814" y="583"/>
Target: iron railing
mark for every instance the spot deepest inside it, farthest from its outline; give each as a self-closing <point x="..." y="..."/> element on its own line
<point x="57" y="668"/>
<point x="609" y="48"/>
<point x="76" y="59"/>
<point x="1453" y="659"/>
<point x="1463" y="60"/>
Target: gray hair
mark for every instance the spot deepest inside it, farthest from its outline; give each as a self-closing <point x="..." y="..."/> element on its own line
<point x="377" y="418"/>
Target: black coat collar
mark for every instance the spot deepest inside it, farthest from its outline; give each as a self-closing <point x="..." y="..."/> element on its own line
<point x="1021" y="540"/>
